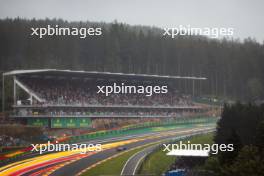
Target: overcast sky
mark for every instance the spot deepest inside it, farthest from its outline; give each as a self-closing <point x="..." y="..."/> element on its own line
<point x="245" y="16"/>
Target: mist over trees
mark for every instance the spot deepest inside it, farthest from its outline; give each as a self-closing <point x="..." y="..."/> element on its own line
<point x="234" y="69"/>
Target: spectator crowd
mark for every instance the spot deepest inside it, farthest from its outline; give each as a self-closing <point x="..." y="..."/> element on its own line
<point x="80" y="92"/>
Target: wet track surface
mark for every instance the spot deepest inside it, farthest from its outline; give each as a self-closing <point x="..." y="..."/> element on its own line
<point x="70" y="163"/>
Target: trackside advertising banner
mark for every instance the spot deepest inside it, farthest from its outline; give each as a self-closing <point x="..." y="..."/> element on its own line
<point x="41" y="122"/>
<point x="70" y="122"/>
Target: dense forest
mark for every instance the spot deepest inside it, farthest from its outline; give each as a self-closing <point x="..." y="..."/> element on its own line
<point x="234" y="69"/>
<point x="242" y="126"/>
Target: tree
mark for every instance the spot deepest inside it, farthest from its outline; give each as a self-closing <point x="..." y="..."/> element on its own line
<point x="226" y="158"/>
<point x="247" y="163"/>
<point x="234" y="69"/>
<point x="260" y="136"/>
<point x="255" y="88"/>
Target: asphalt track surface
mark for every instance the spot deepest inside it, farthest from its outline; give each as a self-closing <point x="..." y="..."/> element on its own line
<point x="71" y="163"/>
<point x="75" y="167"/>
<point x="95" y="141"/>
<point x="133" y="163"/>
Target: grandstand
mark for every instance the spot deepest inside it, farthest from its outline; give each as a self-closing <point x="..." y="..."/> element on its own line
<point x="69" y="99"/>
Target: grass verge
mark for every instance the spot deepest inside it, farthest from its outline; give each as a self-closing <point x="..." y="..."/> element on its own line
<point x="158" y="162"/>
<point x="152" y="164"/>
<point x="113" y="166"/>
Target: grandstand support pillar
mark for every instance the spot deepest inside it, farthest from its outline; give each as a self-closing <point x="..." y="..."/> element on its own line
<point x="193" y="88"/>
<point x="31" y="99"/>
<point x="3" y="93"/>
<point x="15" y="96"/>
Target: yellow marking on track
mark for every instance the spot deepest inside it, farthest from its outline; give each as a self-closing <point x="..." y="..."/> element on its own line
<point x="14" y="167"/>
<point x="13" y="164"/>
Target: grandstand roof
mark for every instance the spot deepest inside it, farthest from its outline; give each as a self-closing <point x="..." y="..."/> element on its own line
<point x="94" y="74"/>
